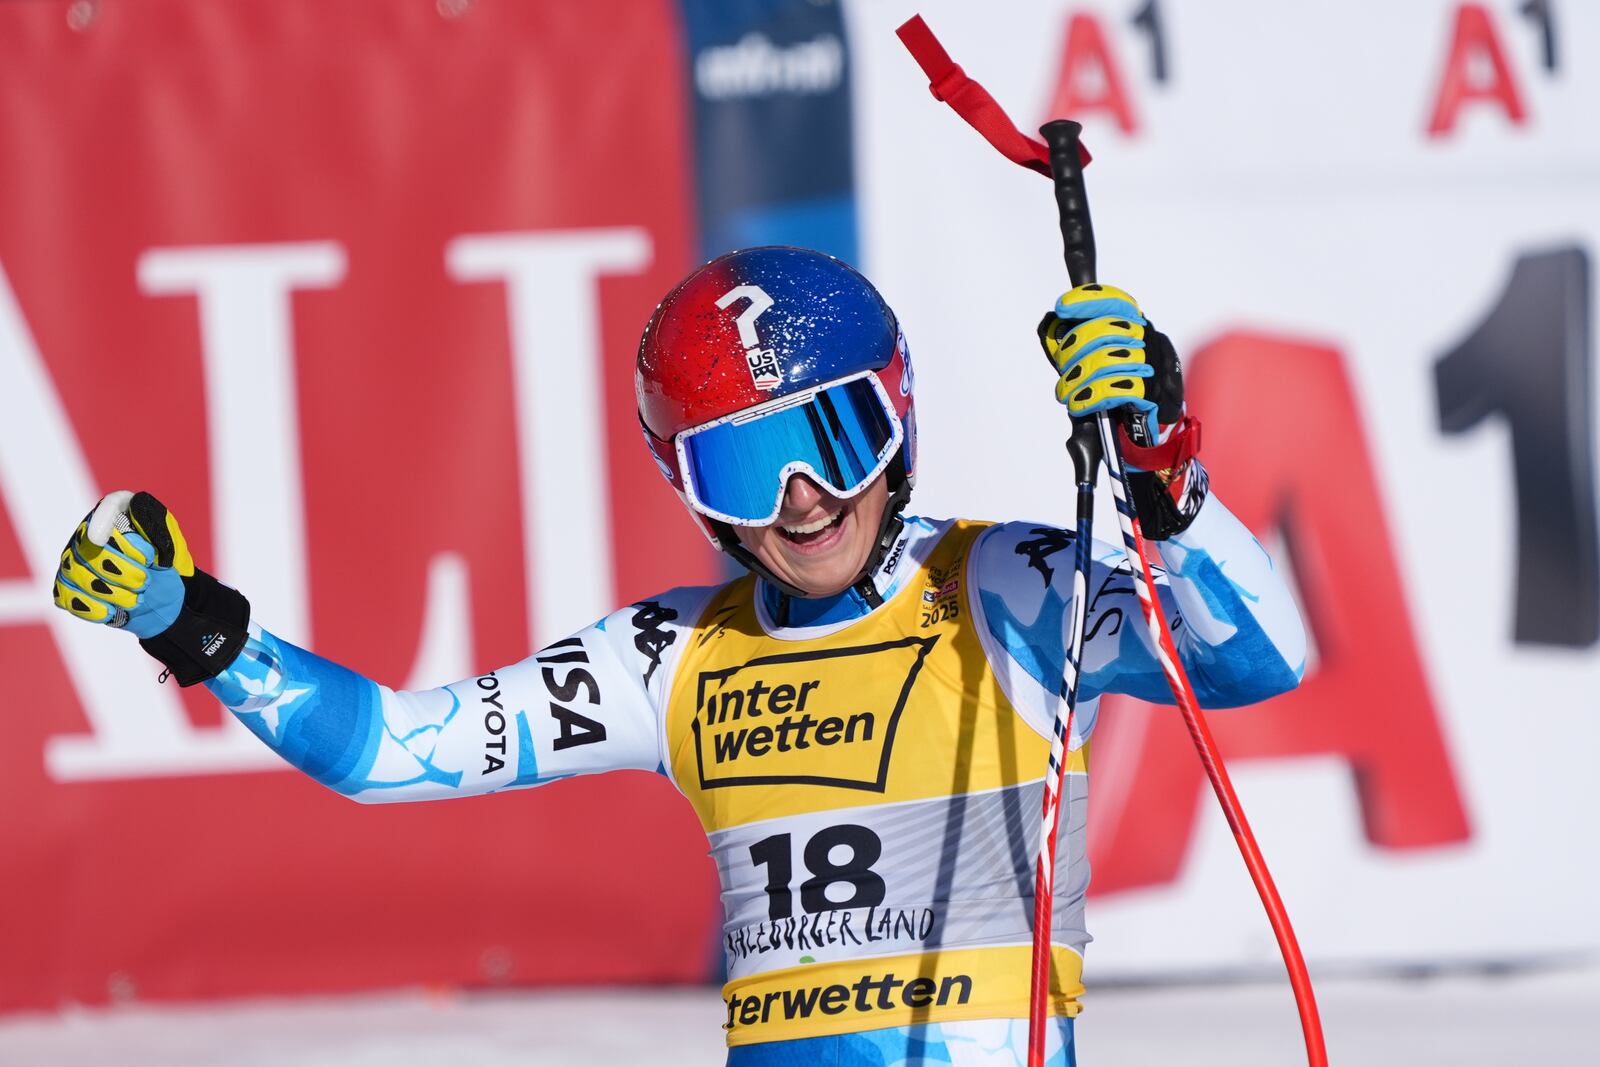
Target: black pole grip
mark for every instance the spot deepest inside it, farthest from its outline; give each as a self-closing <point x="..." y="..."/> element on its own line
<point x="1077" y="247"/>
<point x="1086" y="451"/>
<point x="1066" y="165"/>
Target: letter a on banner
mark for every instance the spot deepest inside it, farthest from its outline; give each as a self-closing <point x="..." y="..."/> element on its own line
<point x="1475" y="71"/>
<point x="1366" y="699"/>
<point x="1090" y="79"/>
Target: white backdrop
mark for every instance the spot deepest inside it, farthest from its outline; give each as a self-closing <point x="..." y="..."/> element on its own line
<point x="1282" y="178"/>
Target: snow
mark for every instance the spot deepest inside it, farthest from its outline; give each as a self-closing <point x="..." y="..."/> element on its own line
<point x="1549" y="1017"/>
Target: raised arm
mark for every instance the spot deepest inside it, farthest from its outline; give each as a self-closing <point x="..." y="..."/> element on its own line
<point x="584" y="704"/>
<point x="1236" y="625"/>
<point x="574" y="707"/>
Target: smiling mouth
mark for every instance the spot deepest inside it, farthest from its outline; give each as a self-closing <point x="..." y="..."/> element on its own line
<point x="807" y="533"/>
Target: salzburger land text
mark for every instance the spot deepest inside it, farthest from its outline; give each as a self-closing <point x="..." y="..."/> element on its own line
<point x="828" y="929"/>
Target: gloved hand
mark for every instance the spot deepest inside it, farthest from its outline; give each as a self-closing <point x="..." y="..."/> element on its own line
<point x="128" y="566"/>
<point x="1109" y="358"/>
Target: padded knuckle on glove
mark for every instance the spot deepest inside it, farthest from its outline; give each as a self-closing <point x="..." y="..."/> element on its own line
<point x="136" y="555"/>
<point x="1101" y="362"/>
<point x="1119" y="385"/>
<point x="1068" y="343"/>
<point x="1094" y="301"/>
<point x="104" y="572"/>
<point x="75" y="601"/>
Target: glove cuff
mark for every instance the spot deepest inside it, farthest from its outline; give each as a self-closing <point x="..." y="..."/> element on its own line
<point x="1182" y="444"/>
<point x="208" y="634"/>
<point x="1166" y="508"/>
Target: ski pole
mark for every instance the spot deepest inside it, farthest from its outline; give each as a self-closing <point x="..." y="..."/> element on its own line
<point x="1085" y="446"/>
<point x="1063" y="161"/>
<point x="1078" y="248"/>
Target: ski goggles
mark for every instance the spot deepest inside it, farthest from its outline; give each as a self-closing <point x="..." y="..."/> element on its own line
<point x="842" y="436"/>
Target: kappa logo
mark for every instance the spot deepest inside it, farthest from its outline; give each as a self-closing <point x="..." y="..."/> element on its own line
<point x="806" y="718"/>
<point x="650" y="638"/>
<point x="1047" y="543"/>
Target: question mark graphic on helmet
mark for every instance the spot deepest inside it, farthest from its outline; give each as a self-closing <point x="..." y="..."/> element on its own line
<point x="764" y="370"/>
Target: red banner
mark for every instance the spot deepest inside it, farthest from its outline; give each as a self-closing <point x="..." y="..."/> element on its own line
<point x="310" y="273"/>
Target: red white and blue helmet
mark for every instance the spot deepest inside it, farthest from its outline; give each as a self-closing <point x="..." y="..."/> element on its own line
<point x="767" y="362"/>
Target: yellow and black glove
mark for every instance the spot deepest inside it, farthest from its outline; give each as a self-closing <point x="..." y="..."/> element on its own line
<point x="128" y="567"/>
<point x="1109" y="358"/>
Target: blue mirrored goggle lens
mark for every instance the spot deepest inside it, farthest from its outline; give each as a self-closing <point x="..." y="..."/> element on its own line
<point x="844" y="434"/>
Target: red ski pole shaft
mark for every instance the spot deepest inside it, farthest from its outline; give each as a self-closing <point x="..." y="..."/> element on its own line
<point x="1077" y="235"/>
<point x="1210" y="758"/>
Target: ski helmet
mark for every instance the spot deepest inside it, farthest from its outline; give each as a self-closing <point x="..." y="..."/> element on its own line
<point x="767" y="362"/>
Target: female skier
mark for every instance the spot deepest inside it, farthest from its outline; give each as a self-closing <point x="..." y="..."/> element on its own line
<point x="861" y="722"/>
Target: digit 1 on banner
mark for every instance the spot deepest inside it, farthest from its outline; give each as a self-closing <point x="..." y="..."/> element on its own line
<point x="1529" y="362"/>
<point x="1303" y="470"/>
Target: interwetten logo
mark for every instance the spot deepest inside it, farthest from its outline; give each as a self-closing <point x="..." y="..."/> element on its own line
<point x="819" y="718"/>
<point x="872" y="993"/>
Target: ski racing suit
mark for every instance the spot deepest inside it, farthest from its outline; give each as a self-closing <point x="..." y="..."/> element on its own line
<point x="869" y="779"/>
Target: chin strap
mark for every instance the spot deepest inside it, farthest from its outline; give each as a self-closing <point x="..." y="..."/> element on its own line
<point x="866" y="586"/>
<point x="867" y="591"/>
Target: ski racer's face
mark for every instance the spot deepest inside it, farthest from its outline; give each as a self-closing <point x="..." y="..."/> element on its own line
<point x="819" y="543"/>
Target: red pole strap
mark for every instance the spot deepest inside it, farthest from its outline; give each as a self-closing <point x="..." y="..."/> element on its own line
<point x="948" y="82"/>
